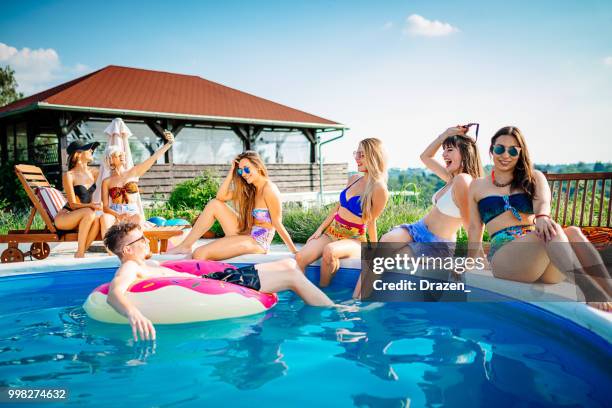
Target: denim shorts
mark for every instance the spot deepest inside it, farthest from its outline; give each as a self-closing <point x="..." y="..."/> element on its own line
<point x="420" y="233"/>
<point x="427" y="243"/>
<point x="124" y="208"/>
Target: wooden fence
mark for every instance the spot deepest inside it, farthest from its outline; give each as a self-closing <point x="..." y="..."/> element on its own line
<point x="290" y="178"/>
<point x="581" y="199"/>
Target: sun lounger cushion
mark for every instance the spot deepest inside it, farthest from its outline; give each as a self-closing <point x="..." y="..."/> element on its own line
<point x="598" y="235"/>
<point x="52" y="200"/>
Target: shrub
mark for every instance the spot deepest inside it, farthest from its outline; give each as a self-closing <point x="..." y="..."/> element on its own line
<point x="397" y="213"/>
<point x="11" y="189"/>
<point x="196" y="193"/>
<point x="16" y="219"/>
<point x="302" y="223"/>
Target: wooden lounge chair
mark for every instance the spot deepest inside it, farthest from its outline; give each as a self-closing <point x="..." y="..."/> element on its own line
<point x="580" y="199"/>
<point x="31" y="178"/>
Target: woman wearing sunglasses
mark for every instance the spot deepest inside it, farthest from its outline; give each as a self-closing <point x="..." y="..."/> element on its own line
<point x="251" y="227"/>
<point x="450" y="204"/>
<point x="513" y="203"/>
<point x="361" y="203"/>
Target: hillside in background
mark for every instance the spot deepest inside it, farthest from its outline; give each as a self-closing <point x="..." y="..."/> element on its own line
<point x="427" y="183"/>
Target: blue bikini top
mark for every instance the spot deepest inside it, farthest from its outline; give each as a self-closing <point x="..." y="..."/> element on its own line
<point x="354" y="203"/>
<point x="494" y="205"/>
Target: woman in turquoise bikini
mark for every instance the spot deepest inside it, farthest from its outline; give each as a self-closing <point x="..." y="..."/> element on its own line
<point x="251" y="227"/>
<point x="526" y="244"/>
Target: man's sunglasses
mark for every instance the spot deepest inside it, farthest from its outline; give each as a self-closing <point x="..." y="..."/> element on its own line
<point x="501" y="149"/>
<point x="245" y="169"/>
<point x="142" y="238"/>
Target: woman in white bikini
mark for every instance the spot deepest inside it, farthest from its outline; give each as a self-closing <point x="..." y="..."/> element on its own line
<point x="450" y="204"/>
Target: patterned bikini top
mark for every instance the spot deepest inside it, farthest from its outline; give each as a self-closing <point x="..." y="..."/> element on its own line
<point x="494" y="205"/>
<point x="120" y="195"/>
<point x="262" y="215"/>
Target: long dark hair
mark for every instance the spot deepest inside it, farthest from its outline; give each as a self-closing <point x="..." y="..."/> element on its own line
<point x="244" y="193"/>
<point x="470" y="158"/>
<point x="523" y="171"/>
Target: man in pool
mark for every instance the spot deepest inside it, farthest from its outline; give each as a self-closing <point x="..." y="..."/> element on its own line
<point x="127" y="241"/>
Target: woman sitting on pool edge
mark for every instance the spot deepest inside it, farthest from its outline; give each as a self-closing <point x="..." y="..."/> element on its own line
<point x="361" y="203"/>
<point x="120" y="190"/>
<point x="251" y="227"/>
<point x="450" y="204"/>
<point x="513" y="203"/>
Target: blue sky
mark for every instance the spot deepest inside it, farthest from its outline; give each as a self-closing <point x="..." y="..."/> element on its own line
<point x="399" y="70"/>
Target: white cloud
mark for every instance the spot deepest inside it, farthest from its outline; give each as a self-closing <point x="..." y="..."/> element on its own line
<point x="36" y="70"/>
<point x="388" y="25"/>
<point x="420" y="26"/>
<point x="608" y="61"/>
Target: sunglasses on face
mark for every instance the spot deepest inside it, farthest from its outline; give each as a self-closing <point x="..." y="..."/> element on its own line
<point x="142" y="238"/>
<point x="245" y="169"/>
<point x="501" y="149"/>
<point x="358" y="155"/>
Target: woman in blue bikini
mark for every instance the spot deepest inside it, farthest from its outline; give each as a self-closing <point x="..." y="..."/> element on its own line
<point x="450" y="205"/>
<point x="361" y="203"/>
<point x="250" y="228"/>
<point x="513" y="203"/>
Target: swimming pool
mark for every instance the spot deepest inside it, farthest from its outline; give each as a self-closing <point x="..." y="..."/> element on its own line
<point x="427" y="354"/>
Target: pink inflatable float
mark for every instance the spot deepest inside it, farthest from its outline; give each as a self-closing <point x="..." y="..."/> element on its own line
<point x="183" y="299"/>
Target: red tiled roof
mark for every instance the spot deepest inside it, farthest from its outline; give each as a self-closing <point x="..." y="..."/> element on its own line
<point x="131" y="89"/>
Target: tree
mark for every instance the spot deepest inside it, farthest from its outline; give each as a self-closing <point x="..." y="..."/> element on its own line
<point x="8" y="86"/>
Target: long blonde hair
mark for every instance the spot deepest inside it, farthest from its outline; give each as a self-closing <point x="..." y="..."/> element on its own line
<point x="376" y="164"/>
<point x="244" y="193"/>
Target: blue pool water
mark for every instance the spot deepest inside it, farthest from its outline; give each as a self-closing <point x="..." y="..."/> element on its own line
<point x="387" y="355"/>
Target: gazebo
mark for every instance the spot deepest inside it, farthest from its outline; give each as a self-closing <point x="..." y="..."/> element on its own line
<point x="211" y="122"/>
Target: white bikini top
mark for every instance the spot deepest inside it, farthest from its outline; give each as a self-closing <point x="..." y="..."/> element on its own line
<point x="445" y="204"/>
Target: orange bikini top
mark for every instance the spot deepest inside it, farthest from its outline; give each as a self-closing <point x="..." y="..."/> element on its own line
<point x="119" y="195"/>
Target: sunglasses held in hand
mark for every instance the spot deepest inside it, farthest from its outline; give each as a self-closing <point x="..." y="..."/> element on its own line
<point x="469" y="125"/>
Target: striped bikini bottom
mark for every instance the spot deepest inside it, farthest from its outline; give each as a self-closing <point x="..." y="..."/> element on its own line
<point x="343" y="229"/>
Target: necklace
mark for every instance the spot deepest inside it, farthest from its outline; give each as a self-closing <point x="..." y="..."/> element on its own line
<point x="499" y="184"/>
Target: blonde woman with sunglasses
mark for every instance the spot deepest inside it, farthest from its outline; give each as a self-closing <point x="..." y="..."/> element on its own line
<point x="361" y="203"/>
<point x="249" y="227"/>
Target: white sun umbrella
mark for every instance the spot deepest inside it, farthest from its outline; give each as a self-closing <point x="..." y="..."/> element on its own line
<point x="118" y="134"/>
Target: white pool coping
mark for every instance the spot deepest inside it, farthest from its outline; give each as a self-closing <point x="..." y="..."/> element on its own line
<point x="587" y="317"/>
